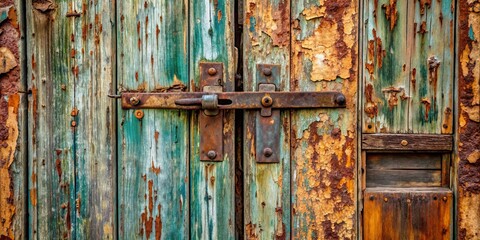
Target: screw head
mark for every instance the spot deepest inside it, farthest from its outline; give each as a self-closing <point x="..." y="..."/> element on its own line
<point x="211" y="154"/>
<point x="134" y="101"/>
<point x="267" y="101"/>
<point x="267" y="152"/>
<point x="139" y="114"/>
<point x="267" y="72"/>
<point x="74" y="123"/>
<point x="212" y="71"/>
<point x="404" y="142"/>
<point x="340" y="99"/>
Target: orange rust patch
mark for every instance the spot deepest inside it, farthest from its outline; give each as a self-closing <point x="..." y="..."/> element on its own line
<point x="391" y="13"/>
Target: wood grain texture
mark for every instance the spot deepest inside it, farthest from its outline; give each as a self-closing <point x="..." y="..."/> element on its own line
<point x="212" y="207"/>
<point x="407" y="142"/>
<point x="408" y="213"/>
<point x="267" y="186"/>
<point x="51" y="77"/>
<point x="467" y="157"/>
<point x="324" y="57"/>
<point x="407" y="66"/>
<point x="152" y="44"/>
<point x="92" y="51"/>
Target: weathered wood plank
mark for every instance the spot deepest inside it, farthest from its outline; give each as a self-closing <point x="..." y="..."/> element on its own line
<point x="423" y="142"/>
<point x="404" y="178"/>
<point x="467" y="158"/>
<point x="324" y="57"/>
<point x="403" y="161"/>
<point x="154" y="150"/>
<point x="93" y="54"/>
<point x="385" y="66"/>
<point x="408" y="214"/>
<point x="13" y="115"/>
<point x="212" y="196"/>
<point x="431" y="92"/>
<point x="51" y="77"/>
<point x="267" y="186"/>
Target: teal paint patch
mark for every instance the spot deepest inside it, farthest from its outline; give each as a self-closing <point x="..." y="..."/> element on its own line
<point x="471" y="34"/>
<point x="253" y="23"/>
<point x="4" y="13"/>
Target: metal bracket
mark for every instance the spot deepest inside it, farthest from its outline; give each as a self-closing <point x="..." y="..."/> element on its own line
<point x="211" y="101"/>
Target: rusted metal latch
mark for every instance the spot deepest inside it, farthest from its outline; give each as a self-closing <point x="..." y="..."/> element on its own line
<point x="212" y="101"/>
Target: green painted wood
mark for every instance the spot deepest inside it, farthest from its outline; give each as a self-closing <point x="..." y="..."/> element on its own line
<point x="266" y="186"/>
<point x="153" y="155"/>
<point x="92" y="51"/>
<point x="431" y="108"/>
<point x="212" y="209"/>
<point x="323" y="141"/>
<point x="386" y="64"/>
<point x="411" y="91"/>
<point x="51" y="77"/>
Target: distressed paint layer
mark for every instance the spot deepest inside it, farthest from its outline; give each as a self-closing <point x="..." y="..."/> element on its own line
<point x="153" y="151"/>
<point x="212" y="207"/>
<point x="324" y="44"/>
<point x="267" y="186"/>
<point x="469" y="121"/>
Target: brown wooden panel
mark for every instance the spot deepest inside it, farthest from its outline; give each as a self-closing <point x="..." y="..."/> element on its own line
<point x="404" y="161"/>
<point x="407" y="213"/>
<point x="409" y="142"/>
<point x="404" y="178"/>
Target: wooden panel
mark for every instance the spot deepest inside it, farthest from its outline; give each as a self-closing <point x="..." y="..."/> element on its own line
<point x="154" y="150"/>
<point x="404" y="161"/>
<point x="324" y="57"/>
<point x="92" y="51"/>
<point x="407" y="66"/>
<point x="404" y="178"/>
<point x="407" y="214"/>
<point x="267" y="186"/>
<point x="431" y="92"/>
<point x="212" y="208"/>
<point x="13" y="119"/>
<point x="51" y="77"/>
<point x="385" y="66"/>
<point x="423" y="142"/>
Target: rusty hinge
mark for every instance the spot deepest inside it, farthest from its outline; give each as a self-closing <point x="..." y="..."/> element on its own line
<point x="212" y="101"/>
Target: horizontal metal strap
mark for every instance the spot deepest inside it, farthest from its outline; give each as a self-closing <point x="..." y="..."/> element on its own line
<point x="233" y="100"/>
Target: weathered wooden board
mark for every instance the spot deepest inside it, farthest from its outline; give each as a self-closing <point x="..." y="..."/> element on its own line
<point x="212" y="208"/>
<point x="51" y="78"/>
<point x="153" y="149"/>
<point x="407" y="142"/>
<point x="71" y="161"/>
<point x="267" y="186"/>
<point x="407" y="66"/>
<point x="13" y="115"/>
<point x="407" y="213"/>
<point x="468" y="128"/>
<point x="324" y="57"/>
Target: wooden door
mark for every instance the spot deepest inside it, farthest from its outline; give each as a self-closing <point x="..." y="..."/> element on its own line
<point x="99" y="171"/>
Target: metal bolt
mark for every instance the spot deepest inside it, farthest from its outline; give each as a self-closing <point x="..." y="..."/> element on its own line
<point x="404" y="142"/>
<point x="134" y="101"/>
<point x="340" y="99"/>
<point x="212" y="71"/>
<point x="408" y="200"/>
<point x="267" y="72"/>
<point x="139" y="114"/>
<point x="372" y="198"/>
<point x="74" y="124"/>
<point x="267" y="152"/>
<point x="444" y="199"/>
<point x="211" y="154"/>
<point x="267" y="101"/>
<point x="385" y="199"/>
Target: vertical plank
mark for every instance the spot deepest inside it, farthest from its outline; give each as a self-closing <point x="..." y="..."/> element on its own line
<point x="267" y="186"/>
<point x="13" y="115"/>
<point x="212" y="196"/>
<point x="324" y="57"/>
<point x="385" y="66"/>
<point x="92" y="52"/>
<point x="51" y="77"/>
<point x="467" y="155"/>
<point x="153" y="151"/>
<point x="431" y="94"/>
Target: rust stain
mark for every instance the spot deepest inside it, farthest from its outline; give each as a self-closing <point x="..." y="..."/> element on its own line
<point x="391" y="13"/>
<point x="177" y="86"/>
<point x="469" y="120"/>
<point x="158" y="223"/>
<point x="250" y="231"/>
<point x="426" y="102"/>
<point x="433" y="65"/>
<point x="424" y="4"/>
<point x="413" y="78"/>
<point x="392" y="95"/>
<point x="155" y="170"/>
<point x="423" y="28"/>
<point x="371" y="108"/>
<point x="7" y="60"/>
